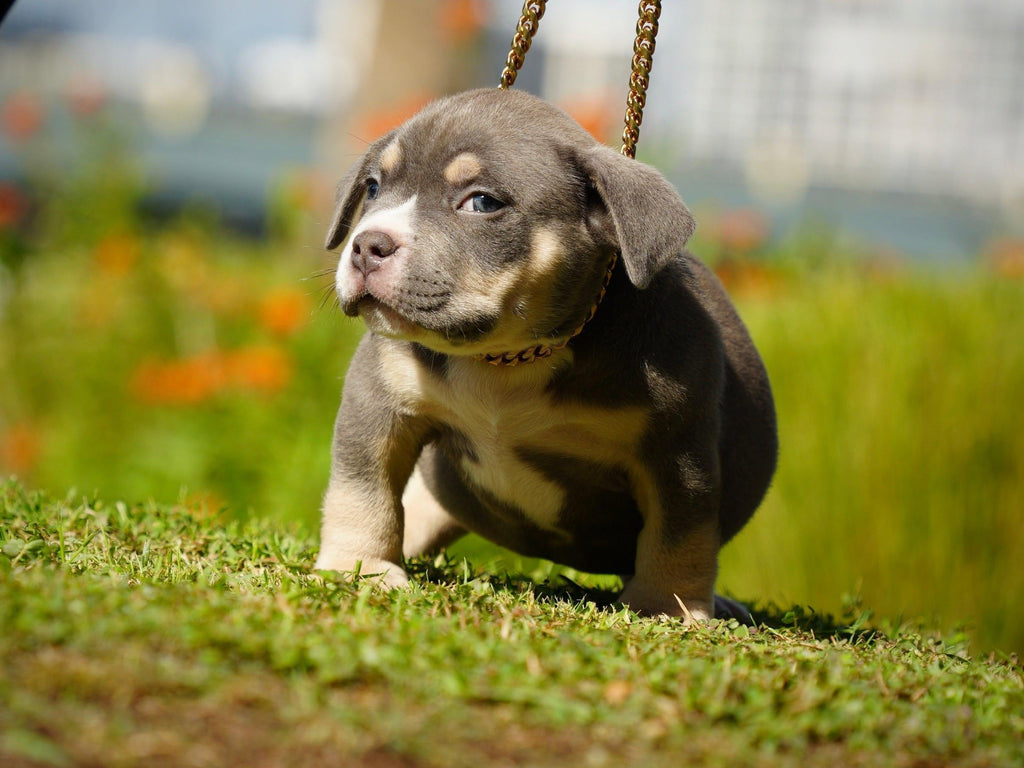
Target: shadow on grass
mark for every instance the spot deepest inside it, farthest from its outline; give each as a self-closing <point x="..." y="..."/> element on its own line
<point x="557" y="586"/>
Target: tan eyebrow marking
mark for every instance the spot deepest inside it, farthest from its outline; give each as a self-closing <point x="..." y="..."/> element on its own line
<point x="463" y="168"/>
<point x="391" y="156"/>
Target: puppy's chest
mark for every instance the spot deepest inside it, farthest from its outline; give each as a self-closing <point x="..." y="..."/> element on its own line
<point x="527" y="449"/>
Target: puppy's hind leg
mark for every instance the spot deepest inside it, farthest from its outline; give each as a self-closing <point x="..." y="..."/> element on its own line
<point x="428" y="526"/>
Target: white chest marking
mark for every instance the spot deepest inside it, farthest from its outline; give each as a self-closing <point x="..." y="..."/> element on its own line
<point x="501" y="412"/>
<point x="506" y="477"/>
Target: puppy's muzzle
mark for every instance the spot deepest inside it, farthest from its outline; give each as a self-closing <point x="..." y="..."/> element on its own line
<point x="370" y="249"/>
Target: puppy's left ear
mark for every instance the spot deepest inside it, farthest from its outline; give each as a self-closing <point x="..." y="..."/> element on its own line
<point x="351" y="193"/>
<point x="349" y="199"/>
<point x="650" y="221"/>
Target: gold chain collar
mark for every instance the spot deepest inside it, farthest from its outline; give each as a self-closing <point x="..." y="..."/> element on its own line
<point x="541" y="351"/>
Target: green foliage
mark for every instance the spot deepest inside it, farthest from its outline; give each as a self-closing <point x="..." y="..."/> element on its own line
<point x="902" y="469"/>
<point x="178" y="362"/>
<point x="134" y="634"/>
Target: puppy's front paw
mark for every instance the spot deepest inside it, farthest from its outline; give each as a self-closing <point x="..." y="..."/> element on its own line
<point x="652" y="601"/>
<point x="389" y="575"/>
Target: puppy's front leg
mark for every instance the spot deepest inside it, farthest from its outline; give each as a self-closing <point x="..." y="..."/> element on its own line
<point x="677" y="549"/>
<point x="375" y="449"/>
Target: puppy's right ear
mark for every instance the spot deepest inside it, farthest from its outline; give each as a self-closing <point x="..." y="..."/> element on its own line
<point x="350" y="194"/>
<point x="650" y="222"/>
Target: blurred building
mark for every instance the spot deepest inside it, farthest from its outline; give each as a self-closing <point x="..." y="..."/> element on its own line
<point x="215" y="99"/>
<point x="915" y="96"/>
<point x="886" y="116"/>
<point x="901" y="119"/>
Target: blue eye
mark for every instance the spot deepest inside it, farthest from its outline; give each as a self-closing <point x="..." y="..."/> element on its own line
<point x="481" y="202"/>
<point x="372" y="189"/>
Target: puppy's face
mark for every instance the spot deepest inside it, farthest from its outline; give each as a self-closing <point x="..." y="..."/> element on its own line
<point x="482" y="225"/>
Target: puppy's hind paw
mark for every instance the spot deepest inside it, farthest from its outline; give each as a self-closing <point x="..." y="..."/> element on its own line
<point x="726" y="608"/>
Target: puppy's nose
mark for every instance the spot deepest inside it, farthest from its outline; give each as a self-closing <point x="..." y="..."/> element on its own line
<point x="370" y="248"/>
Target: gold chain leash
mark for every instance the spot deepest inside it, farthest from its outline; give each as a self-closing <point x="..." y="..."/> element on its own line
<point x="640" y="75"/>
<point x="533" y="10"/>
<point x="640" y="78"/>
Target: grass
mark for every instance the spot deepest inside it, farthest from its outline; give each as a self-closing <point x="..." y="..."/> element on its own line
<point x="176" y="362"/>
<point x="902" y="447"/>
<point x="201" y="369"/>
<point x="157" y="635"/>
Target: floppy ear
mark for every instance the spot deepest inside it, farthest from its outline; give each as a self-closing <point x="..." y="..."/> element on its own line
<point x="349" y="199"/>
<point x="651" y="224"/>
<point x="349" y="195"/>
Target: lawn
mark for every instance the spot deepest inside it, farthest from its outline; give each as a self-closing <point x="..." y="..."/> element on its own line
<point x="172" y="360"/>
<point x="167" y="392"/>
<point x="166" y="636"/>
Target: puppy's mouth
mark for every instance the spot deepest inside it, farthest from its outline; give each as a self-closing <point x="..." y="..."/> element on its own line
<point x="404" y="311"/>
<point x="426" y="320"/>
<point x="381" y="317"/>
<point x="411" y="304"/>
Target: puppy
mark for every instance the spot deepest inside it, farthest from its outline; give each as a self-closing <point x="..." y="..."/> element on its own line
<point x="545" y="365"/>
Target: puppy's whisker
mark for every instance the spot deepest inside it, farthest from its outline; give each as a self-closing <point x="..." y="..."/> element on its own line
<point x="325" y="272"/>
<point x="360" y="139"/>
<point x="328" y="299"/>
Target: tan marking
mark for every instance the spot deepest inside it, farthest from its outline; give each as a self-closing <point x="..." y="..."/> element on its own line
<point x="463" y="168"/>
<point x="673" y="577"/>
<point x="401" y="375"/>
<point x="534" y="291"/>
<point x="528" y="285"/>
<point x="478" y="291"/>
<point x="391" y="156"/>
<point x="544" y="256"/>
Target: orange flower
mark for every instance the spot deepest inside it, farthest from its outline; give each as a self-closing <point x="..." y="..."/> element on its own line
<point x="284" y="311"/>
<point x="595" y="114"/>
<point x="742" y="230"/>
<point x="258" y="368"/>
<point x="192" y="380"/>
<point x="177" y="382"/>
<point x="747" y="278"/>
<point x="459" y="20"/>
<point x="20" y="448"/>
<point x="1007" y="258"/>
<point x="116" y="254"/>
<point x="21" y="116"/>
<point x="375" y="124"/>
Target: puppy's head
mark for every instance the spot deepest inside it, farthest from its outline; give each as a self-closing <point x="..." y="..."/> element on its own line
<point x="486" y="222"/>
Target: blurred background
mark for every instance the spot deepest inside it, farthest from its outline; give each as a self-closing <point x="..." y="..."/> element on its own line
<point x="167" y="328"/>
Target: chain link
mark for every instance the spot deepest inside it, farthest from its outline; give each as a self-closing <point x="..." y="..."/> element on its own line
<point x="533" y="10"/>
<point x="640" y="78"/>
